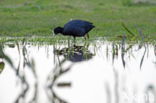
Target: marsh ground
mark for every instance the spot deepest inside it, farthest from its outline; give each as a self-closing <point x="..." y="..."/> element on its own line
<point x="38" y="17"/>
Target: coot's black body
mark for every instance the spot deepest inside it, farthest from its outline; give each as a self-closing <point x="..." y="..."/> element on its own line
<point x="75" y="28"/>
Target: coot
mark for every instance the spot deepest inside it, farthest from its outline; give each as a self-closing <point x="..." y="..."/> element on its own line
<point x="75" y="28"/>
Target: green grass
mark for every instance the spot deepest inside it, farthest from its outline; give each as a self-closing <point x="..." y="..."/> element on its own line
<point x="38" y="17"/>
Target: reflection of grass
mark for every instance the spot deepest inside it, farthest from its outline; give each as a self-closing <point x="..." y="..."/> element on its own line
<point x="1" y="66"/>
<point x="27" y="17"/>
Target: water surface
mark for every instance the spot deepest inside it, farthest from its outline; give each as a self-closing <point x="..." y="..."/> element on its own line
<point x="90" y="73"/>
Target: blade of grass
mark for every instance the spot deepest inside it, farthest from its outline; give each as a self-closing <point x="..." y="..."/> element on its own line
<point x="129" y="31"/>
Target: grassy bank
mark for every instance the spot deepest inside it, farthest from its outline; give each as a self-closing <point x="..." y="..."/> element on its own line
<point x="38" y="17"/>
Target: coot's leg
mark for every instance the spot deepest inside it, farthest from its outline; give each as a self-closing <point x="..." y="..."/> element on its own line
<point x="87" y="36"/>
<point x="74" y="40"/>
<point x="86" y="44"/>
<point x="69" y="41"/>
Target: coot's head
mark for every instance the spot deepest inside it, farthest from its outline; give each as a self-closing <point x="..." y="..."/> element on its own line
<point x="58" y="30"/>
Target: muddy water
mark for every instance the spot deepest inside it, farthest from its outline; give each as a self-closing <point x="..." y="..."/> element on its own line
<point x="93" y="73"/>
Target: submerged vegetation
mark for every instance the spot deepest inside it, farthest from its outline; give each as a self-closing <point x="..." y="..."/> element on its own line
<point x="27" y="18"/>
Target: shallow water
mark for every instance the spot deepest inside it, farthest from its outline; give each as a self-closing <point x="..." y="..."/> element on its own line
<point x="93" y="73"/>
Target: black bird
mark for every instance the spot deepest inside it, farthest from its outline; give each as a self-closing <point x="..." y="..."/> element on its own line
<point x="75" y="28"/>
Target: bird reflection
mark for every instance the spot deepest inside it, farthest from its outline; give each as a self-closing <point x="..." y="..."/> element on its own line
<point x="72" y="53"/>
<point x="75" y="53"/>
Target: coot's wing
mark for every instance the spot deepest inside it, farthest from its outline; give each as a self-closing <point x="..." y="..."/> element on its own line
<point x="77" y="27"/>
<point x="87" y="26"/>
<point x="73" y="28"/>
